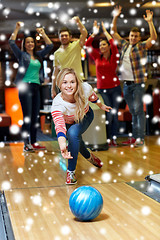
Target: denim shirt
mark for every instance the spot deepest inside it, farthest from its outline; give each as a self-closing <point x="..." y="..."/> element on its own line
<point x="24" y="60"/>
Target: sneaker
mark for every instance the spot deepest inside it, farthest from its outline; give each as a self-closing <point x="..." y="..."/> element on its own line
<point x="95" y="161"/>
<point x="129" y="141"/>
<point x="139" y="142"/>
<point x="38" y="147"/>
<point x="71" y="177"/>
<point x="28" y="148"/>
<point x="113" y="143"/>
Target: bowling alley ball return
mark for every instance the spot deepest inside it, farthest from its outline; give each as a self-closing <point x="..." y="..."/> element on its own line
<point x="150" y="187"/>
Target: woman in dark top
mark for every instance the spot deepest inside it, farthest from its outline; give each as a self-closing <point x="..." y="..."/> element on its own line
<point x="28" y="81"/>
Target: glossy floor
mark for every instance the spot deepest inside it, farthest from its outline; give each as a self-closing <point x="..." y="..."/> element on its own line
<point x="38" y="198"/>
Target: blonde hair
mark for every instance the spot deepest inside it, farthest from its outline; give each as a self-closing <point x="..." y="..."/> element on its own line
<point x="79" y="94"/>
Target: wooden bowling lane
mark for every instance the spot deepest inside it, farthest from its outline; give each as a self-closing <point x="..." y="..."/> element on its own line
<point x="43" y="169"/>
<point x="37" y="196"/>
<point x="44" y="213"/>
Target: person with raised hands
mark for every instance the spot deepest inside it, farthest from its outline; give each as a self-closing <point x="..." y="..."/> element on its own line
<point x="133" y="71"/>
<point x="106" y="57"/>
<point x="69" y="53"/>
<point x="28" y="79"/>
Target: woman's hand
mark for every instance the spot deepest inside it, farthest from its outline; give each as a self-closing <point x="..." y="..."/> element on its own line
<point x="108" y="36"/>
<point x="95" y="28"/>
<point x="64" y="151"/>
<point x="19" y="25"/>
<point x="63" y="148"/>
<point x="16" y="30"/>
<point x="40" y="31"/>
<point x="105" y="108"/>
<point x="103" y="27"/>
<point x="66" y="154"/>
<point x="76" y="19"/>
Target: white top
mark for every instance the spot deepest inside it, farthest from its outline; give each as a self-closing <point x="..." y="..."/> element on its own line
<point x="68" y="108"/>
<point x="126" y="68"/>
<point x="64" y="112"/>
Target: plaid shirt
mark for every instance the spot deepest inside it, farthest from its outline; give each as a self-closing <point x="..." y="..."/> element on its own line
<point x="138" y="58"/>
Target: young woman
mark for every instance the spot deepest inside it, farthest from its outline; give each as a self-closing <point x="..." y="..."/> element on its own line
<point x="28" y="83"/>
<point x="72" y="116"/>
<point x="108" y="84"/>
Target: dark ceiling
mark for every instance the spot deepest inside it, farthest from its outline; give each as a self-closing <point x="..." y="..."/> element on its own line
<point x="12" y="11"/>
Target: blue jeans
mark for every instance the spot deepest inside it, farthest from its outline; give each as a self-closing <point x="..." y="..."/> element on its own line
<point x="75" y="141"/>
<point x="110" y="96"/>
<point x="30" y="102"/>
<point x="133" y="95"/>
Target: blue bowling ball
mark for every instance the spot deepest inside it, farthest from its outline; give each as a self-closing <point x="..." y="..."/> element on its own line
<point x="86" y="203"/>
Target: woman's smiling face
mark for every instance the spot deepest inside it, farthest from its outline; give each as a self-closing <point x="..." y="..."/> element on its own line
<point x="29" y="44"/>
<point x="68" y="85"/>
<point x="103" y="46"/>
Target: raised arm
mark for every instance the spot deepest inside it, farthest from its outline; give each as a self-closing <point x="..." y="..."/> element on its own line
<point x="153" y="35"/>
<point x="94" y="53"/>
<point x="116" y="13"/>
<point x="54" y="76"/>
<point x="16" y="50"/>
<point x="82" y="30"/>
<point x="95" y="29"/>
<point x="44" y="36"/>
<point x="108" y="36"/>
<point x="16" y="30"/>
